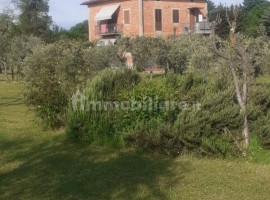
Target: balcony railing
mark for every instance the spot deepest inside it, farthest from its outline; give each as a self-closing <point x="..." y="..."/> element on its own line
<point x="200" y="27"/>
<point x="108" y="29"/>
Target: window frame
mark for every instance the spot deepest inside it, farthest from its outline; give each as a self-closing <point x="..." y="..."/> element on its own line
<point x="175" y="9"/>
<point x="129" y="11"/>
<point x="155" y="21"/>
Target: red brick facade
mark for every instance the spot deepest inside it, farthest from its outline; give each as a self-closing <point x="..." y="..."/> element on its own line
<point x="189" y="13"/>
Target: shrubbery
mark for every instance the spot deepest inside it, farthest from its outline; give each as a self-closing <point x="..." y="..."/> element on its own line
<point x="211" y="125"/>
<point x="95" y="124"/>
<point x="209" y="128"/>
<point x="176" y="53"/>
<point x="54" y="72"/>
<point x="260" y="117"/>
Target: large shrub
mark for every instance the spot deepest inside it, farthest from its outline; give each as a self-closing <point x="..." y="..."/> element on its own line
<point x="206" y="119"/>
<point x="261" y="116"/>
<point x="96" y="124"/>
<point x="53" y="73"/>
<point x="213" y="129"/>
<point x="210" y="128"/>
<point x="49" y="81"/>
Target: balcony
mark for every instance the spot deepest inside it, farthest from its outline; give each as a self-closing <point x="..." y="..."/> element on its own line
<point x="198" y="28"/>
<point x="108" y="29"/>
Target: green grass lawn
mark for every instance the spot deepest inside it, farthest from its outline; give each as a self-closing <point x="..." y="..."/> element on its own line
<point x="38" y="164"/>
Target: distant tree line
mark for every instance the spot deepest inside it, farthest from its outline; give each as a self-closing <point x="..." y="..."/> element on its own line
<point x="253" y="18"/>
<point x="33" y="19"/>
<point x="32" y="26"/>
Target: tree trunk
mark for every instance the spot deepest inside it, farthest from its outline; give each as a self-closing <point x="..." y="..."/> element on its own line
<point x="245" y="101"/>
<point x="245" y="132"/>
<point x="5" y="66"/>
<point x="12" y="73"/>
<point x="6" y="73"/>
<point x="242" y="101"/>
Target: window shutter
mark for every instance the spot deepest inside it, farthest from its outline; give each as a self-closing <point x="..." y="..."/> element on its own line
<point x="158" y="19"/>
<point x="175" y="16"/>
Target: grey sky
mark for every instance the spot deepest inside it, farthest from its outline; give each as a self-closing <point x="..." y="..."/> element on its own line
<point x="67" y="13"/>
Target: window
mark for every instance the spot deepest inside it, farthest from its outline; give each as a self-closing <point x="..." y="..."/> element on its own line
<point x="126" y="17"/>
<point x="175" y="16"/>
<point x="158" y="20"/>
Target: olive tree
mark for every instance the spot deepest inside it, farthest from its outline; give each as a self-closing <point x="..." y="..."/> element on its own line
<point x="6" y="22"/>
<point x="54" y="72"/>
<point x="240" y="54"/>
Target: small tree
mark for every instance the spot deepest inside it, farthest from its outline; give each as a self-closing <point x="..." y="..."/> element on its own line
<point x="6" y="34"/>
<point x="19" y="48"/>
<point x="240" y="56"/>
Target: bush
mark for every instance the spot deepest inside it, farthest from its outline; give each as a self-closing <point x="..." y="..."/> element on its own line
<point x="174" y="53"/>
<point x="97" y="125"/>
<point x="211" y="128"/>
<point x="49" y="83"/>
<point x="144" y="97"/>
<point x="146" y="51"/>
<point x="259" y="125"/>
<point x="53" y="73"/>
<point x="110" y="82"/>
<point x="193" y="53"/>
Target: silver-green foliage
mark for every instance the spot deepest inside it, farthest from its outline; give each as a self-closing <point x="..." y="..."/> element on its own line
<point x="96" y="124"/>
<point x="54" y="71"/>
<point x="210" y="130"/>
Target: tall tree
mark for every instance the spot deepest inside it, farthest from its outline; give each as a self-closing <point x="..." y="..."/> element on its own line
<point x="211" y="7"/>
<point x="34" y="19"/>
<point x="249" y="4"/>
<point x="266" y="21"/>
<point x="253" y="20"/>
<point x="252" y="13"/>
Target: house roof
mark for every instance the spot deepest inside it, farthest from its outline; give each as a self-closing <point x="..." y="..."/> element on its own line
<point x="90" y="2"/>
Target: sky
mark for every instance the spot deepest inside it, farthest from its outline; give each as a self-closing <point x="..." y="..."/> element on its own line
<point x="67" y="13"/>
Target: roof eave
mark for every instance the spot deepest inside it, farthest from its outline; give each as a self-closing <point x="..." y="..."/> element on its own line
<point x="85" y="3"/>
<point x="91" y="2"/>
